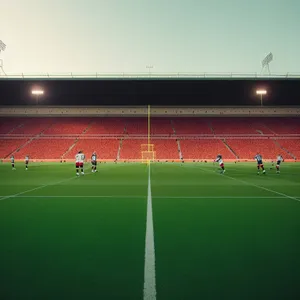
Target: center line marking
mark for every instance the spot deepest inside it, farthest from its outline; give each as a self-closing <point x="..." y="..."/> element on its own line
<point x="149" y="270"/>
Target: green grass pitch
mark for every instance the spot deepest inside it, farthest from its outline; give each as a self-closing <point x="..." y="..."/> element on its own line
<point x="231" y="236"/>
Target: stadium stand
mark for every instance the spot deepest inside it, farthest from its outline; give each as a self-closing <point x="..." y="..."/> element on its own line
<point x="106" y="126"/>
<point x="198" y="138"/>
<point x="136" y="126"/>
<point x="248" y="148"/>
<point x="8" y="146"/>
<point x="7" y="125"/>
<point x="292" y="145"/>
<point x="105" y="148"/>
<point x="68" y="126"/>
<point x="161" y="126"/>
<point x="166" y="149"/>
<point x="204" y="149"/>
<point x="131" y="148"/>
<point x="193" y="125"/>
<point x="32" y="126"/>
<point x="239" y="126"/>
<point x="283" y="125"/>
<point x="43" y="148"/>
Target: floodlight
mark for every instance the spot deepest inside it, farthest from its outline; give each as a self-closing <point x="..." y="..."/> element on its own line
<point x="37" y="92"/>
<point x="267" y="59"/>
<point x="2" y="46"/>
<point x="261" y="93"/>
<point x="265" y="62"/>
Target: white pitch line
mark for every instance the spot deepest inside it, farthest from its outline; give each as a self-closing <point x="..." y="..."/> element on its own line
<point x="220" y="197"/>
<point x="257" y="186"/>
<point x="37" y="188"/>
<point x="149" y="270"/>
<point x="266" y="189"/>
<point x="156" y="197"/>
<point x="76" y="196"/>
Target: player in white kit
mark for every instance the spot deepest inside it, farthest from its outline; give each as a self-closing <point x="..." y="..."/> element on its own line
<point x="221" y="163"/>
<point x="79" y="158"/>
<point x="278" y="162"/>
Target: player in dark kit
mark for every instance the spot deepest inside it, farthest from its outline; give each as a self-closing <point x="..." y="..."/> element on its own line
<point x="12" y="159"/>
<point x="26" y="162"/>
<point x="260" y="164"/>
<point x="94" y="162"/>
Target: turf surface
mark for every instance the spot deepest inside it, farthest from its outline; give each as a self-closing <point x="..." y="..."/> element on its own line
<point x="231" y="236"/>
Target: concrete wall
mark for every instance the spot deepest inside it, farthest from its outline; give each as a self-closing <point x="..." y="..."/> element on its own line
<point x="105" y="111"/>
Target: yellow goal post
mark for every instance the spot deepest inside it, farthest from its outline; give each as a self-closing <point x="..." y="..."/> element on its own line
<point x="148" y="153"/>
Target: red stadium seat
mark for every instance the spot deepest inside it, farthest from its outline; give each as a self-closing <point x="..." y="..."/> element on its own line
<point x="199" y="138"/>
<point x="204" y="149"/>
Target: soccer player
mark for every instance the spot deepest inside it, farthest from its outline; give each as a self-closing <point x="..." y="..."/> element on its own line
<point x="26" y="162"/>
<point x="279" y="160"/>
<point x="12" y="159"/>
<point x="94" y="162"/>
<point x="221" y="163"/>
<point x="79" y="157"/>
<point x="260" y="164"/>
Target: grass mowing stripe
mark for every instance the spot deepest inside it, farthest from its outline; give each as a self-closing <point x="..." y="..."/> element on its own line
<point x="257" y="186"/>
<point x="156" y="197"/>
<point x="149" y="271"/>
<point x="37" y="188"/>
<point x="266" y="189"/>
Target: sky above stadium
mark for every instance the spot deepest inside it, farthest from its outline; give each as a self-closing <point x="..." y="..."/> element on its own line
<point x="127" y="35"/>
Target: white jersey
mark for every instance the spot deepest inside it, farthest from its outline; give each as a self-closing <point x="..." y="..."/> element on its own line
<point x="26" y="158"/>
<point x="279" y="158"/>
<point x="79" y="157"/>
<point x="12" y="159"/>
<point x="94" y="157"/>
<point x="219" y="160"/>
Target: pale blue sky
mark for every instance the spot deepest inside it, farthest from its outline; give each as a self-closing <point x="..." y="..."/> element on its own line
<point x="126" y="35"/>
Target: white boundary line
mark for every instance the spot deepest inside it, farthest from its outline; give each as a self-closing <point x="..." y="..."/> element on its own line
<point x="153" y="197"/>
<point x="266" y="189"/>
<point x="220" y="197"/>
<point x="257" y="186"/>
<point x="149" y="270"/>
<point x="37" y="188"/>
<point x="75" y="196"/>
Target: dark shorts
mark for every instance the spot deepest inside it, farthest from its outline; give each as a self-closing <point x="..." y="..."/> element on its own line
<point x="26" y="162"/>
<point x="259" y="162"/>
<point x="278" y="162"/>
<point x="94" y="163"/>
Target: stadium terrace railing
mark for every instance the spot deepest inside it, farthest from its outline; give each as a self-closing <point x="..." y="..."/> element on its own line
<point x="154" y="137"/>
<point x="146" y="75"/>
